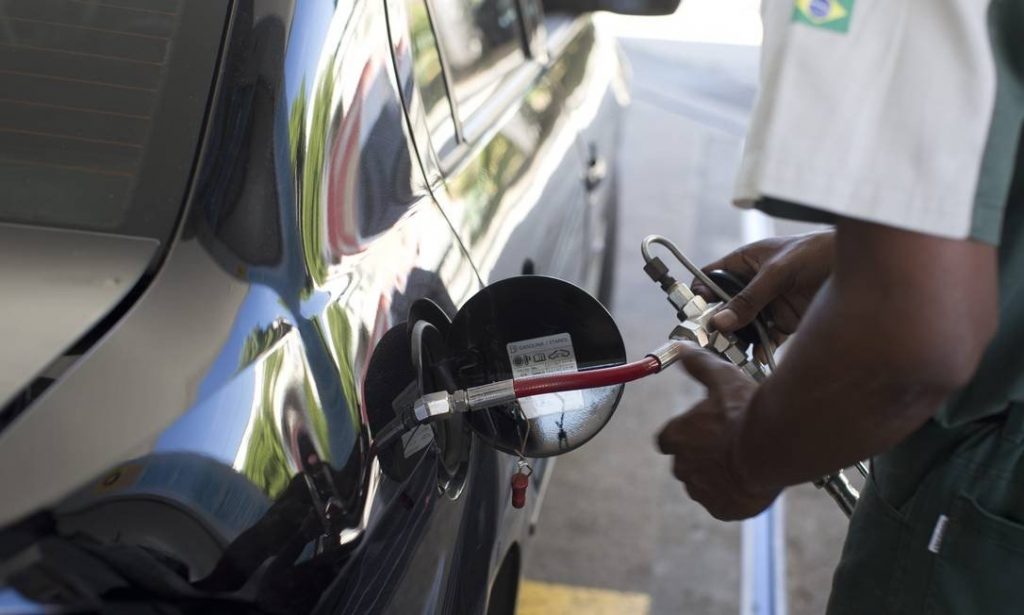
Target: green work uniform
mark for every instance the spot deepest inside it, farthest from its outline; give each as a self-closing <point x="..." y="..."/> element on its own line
<point x="909" y="113"/>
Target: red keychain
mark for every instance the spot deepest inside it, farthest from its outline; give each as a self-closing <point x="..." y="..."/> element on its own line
<point x="521" y="479"/>
<point x="520" y="482"/>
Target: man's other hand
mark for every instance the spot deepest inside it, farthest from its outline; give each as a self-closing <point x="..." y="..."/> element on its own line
<point x="702" y="441"/>
<point x="785" y="274"/>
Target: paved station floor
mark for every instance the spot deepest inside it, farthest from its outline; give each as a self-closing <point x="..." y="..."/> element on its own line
<point x="617" y="534"/>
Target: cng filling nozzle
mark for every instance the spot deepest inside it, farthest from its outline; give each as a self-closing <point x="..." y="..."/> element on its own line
<point x="435" y="406"/>
<point x="695" y="313"/>
<point x="441" y="404"/>
<point x="506" y="391"/>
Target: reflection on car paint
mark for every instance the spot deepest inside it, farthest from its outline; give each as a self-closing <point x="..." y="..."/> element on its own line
<point x="276" y="424"/>
<point x="509" y="195"/>
<point x="213" y="449"/>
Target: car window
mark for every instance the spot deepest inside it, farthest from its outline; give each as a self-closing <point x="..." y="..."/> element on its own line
<point x="482" y="41"/>
<point x="430" y="76"/>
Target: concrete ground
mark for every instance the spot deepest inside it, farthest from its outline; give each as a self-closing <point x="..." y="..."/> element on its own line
<point x="614" y="518"/>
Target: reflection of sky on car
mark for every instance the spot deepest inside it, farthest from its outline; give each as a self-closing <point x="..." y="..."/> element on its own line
<point x="12" y="602"/>
<point x="308" y="285"/>
<point x="216" y="425"/>
<point x="306" y="44"/>
<point x="258" y="311"/>
<point x="274" y="372"/>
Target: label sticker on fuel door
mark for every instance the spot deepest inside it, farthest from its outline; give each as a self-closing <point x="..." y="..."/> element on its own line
<point x="553" y="354"/>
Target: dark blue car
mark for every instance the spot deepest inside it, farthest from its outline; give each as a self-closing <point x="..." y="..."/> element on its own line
<point x="213" y="213"/>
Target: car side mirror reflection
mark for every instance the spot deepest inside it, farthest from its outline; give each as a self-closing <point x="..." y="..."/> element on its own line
<point x="527" y="326"/>
<point x="622" y="7"/>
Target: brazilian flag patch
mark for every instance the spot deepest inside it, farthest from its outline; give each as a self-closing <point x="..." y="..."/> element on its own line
<point x="826" y="14"/>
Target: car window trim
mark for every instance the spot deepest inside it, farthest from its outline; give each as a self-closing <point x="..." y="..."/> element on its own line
<point x="449" y="86"/>
<point x="431" y="144"/>
<point x="533" y="31"/>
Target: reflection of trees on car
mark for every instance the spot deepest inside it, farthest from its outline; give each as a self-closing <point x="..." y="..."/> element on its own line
<point x="267" y="462"/>
<point x="484" y="180"/>
<point x="307" y="154"/>
<point x="230" y="407"/>
<point x="336" y="330"/>
<point x="427" y="69"/>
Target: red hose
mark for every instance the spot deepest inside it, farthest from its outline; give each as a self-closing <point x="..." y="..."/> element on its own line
<point x="592" y="379"/>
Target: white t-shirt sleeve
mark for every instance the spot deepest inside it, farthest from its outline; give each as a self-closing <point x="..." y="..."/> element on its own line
<point x="885" y="122"/>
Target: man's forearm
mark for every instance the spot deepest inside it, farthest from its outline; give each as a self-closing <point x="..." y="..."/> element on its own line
<point x="879" y="351"/>
<point x="828" y="406"/>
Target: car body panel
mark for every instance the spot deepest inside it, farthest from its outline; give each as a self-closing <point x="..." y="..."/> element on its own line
<point x="601" y="96"/>
<point x="516" y="190"/>
<point x="216" y="437"/>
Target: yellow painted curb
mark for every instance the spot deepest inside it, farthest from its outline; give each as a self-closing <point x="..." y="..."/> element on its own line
<point x="537" y="598"/>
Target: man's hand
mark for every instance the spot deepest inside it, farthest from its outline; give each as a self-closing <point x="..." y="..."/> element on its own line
<point x="703" y="440"/>
<point x="901" y="324"/>
<point x="784" y="272"/>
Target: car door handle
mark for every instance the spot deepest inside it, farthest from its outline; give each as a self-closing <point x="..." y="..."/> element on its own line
<point x="597" y="170"/>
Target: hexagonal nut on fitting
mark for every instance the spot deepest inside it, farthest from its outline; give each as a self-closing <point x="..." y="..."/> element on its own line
<point x="695" y="307"/>
<point x="432" y="406"/>
<point x="692" y="332"/>
<point x="679" y="295"/>
<point x="720" y="342"/>
<point x="734" y="354"/>
<point x="752" y="370"/>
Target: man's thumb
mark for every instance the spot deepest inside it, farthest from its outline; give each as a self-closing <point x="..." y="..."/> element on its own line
<point x="741" y="310"/>
<point x="703" y="365"/>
